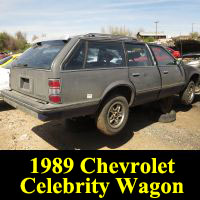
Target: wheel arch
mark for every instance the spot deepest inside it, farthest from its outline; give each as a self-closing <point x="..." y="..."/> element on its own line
<point x="195" y="77"/>
<point x="124" y="88"/>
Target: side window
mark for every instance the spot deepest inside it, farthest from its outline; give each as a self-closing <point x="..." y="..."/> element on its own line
<point x="137" y="55"/>
<point x="162" y="56"/>
<point x="104" y="54"/>
<point x="76" y="60"/>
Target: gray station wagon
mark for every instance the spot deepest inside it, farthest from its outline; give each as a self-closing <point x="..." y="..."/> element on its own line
<point x="97" y="75"/>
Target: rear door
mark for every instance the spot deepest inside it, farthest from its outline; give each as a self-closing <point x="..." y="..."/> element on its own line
<point x="32" y="69"/>
<point x="172" y="75"/>
<point x="143" y="73"/>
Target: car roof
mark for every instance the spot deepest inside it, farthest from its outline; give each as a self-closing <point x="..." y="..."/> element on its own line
<point x="99" y="36"/>
<point x="89" y="36"/>
<point x="43" y="39"/>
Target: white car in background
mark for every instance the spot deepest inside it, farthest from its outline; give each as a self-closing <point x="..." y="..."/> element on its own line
<point x="5" y="75"/>
<point x="4" y="78"/>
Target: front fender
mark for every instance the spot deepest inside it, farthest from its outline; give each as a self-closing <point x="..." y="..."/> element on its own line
<point x="189" y="72"/>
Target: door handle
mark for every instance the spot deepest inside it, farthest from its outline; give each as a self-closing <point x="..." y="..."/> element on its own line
<point x="135" y="74"/>
<point x="165" y="72"/>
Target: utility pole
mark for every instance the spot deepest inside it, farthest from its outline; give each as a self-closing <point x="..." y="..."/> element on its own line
<point x="193" y="27"/>
<point x="156" y="22"/>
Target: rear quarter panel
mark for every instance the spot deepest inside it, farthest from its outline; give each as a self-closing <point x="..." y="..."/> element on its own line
<point x="83" y="86"/>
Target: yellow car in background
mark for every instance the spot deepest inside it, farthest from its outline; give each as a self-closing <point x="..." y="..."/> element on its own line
<point x="8" y="59"/>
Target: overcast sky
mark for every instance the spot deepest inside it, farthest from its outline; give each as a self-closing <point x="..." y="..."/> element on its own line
<point x="58" y="17"/>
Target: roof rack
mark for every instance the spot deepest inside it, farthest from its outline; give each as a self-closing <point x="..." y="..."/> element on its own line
<point x="109" y="36"/>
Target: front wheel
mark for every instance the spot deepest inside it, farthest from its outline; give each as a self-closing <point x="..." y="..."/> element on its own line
<point x="197" y="88"/>
<point x="187" y="96"/>
<point x="113" y="115"/>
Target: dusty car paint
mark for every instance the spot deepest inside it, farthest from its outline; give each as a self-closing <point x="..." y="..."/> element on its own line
<point x="83" y="90"/>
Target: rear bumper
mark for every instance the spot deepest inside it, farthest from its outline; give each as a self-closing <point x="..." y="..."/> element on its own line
<point x="47" y="111"/>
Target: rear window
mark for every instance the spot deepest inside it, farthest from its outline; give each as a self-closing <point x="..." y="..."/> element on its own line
<point x="4" y="60"/>
<point x="40" y="55"/>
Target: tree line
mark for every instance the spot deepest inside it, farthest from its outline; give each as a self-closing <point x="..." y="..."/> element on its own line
<point x="16" y="43"/>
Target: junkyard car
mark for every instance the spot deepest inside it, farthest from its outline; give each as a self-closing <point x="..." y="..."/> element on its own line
<point x="192" y="59"/>
<point x="5" y="72"/>
<point x="175" y="53"/>
<point x="98" y="75"/>
<point x="4" y="79"/>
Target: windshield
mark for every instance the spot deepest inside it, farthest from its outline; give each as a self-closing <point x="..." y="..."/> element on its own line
<point x="40" y="55"/>
<point x="4" y="60"/>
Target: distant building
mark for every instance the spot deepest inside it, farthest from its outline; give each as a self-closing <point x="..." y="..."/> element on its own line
<point x="144" y="35"/>
<point x="183" y="37"/>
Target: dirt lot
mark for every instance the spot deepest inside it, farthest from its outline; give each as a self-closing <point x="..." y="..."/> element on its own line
<point x="21" y="131"/>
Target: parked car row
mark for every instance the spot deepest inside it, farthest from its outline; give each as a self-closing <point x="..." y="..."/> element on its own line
<point x="99" y="75"/>
<point x="175" y="53"/>
<point x="3" y="55"/>
<point x="8" y="59"/>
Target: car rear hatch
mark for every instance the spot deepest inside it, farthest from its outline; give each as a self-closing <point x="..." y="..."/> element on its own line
<point x="31" y="72"/>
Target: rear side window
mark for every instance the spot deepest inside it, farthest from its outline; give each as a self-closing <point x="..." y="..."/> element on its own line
<point x="40" y="55"/>
<point x="76" y="60"/>
<point x="162" y="56"/>
<point x="137" y="55"/>
<point x="104" y="55"/>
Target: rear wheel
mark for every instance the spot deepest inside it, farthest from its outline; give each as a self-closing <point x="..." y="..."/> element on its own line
<point x="187" y="96"/>
<point x="113" y="115"/>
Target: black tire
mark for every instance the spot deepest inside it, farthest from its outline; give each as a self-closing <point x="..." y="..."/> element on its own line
<point x="168" y="117"/>
<point x="166" y="104"/>
<point x="187" y="96"/>
<point x="108" y="115"/>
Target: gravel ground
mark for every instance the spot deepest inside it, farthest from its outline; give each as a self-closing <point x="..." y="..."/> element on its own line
<point x="22" y="131"/>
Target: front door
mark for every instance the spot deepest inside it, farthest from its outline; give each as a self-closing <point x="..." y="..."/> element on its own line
<point x="142" y="73"/>
<point x="172" y="75"/>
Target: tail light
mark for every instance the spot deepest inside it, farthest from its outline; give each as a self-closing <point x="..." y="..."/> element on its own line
<point x="54" y="83"/>
<point x="54" y="91"/>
